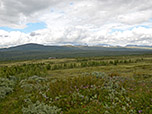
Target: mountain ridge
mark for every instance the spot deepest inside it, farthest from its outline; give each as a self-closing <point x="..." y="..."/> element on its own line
<point x="38" y="51"/>
<point x="99" y="45"/>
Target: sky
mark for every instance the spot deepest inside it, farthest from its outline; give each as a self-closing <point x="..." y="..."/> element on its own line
<point x="75" y="22"/>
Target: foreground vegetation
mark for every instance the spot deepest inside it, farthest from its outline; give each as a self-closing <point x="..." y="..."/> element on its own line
<point x="106" y="85"/>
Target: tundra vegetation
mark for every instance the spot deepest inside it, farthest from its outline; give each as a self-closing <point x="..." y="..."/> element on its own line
<point x="91" y="85"/>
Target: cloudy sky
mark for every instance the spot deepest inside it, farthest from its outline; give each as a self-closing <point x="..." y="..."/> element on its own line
<point x="76" y="22"/>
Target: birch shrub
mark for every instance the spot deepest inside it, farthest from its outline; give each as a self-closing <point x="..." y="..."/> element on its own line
<point x="6" y="86"/>
<point x="34" y="83"/>
<point x="40" y="108"/>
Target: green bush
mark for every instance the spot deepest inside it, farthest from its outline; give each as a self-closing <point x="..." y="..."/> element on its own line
<point x="6" y="86"/>
<point x="34" y="83"/>
<point x="40" y="108"/>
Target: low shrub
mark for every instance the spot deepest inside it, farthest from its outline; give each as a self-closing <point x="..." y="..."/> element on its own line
<point x="40" y="108"/>
<point x="6" y="86"/>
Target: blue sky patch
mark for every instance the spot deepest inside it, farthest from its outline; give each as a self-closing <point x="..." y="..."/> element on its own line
<point x="122" y="30"/>
<point x="52" y="10"/>
<point x="71" y="4"/>
<point x="116" y="30"/>
<point x="150" y="20"/>
<point x="144" y="26"/>
<point x="30" y="27"/>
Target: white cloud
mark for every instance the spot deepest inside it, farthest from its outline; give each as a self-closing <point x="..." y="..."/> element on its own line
<point x="139" y="36"/>
<point x="83" y="21"/>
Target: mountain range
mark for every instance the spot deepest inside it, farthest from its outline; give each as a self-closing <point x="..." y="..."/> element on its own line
<point x="37" y="51"/>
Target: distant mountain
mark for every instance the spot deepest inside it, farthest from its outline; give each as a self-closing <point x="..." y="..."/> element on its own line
<point x="138" y="45"/>
<point x="37" y="51"/>
<point x="34" y="47"/>
<point x="105" y="45"/>
<point x="39" y="47"/>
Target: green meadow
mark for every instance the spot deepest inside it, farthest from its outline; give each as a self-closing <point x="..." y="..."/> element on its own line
<point x="86" y="85"/>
